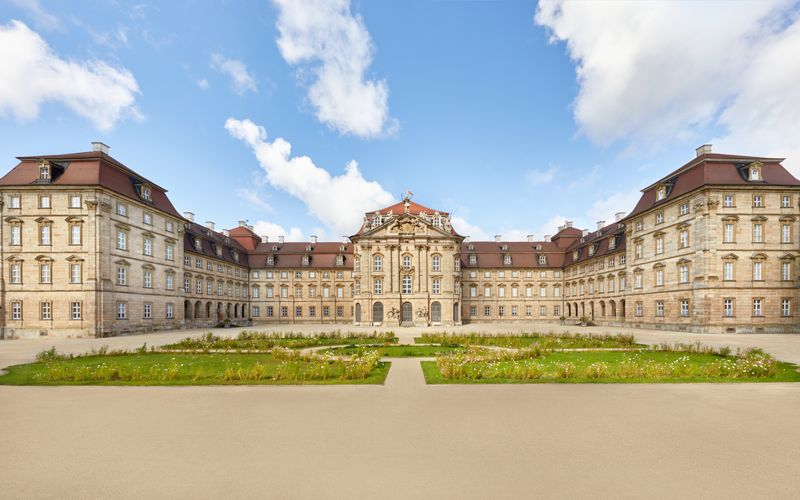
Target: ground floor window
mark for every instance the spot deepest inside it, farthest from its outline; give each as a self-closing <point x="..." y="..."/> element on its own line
<point x="256" y="311"/>
<point x="284" y="312"/>
<point x="326" y="311"/>
<point x="339" y="311"/>
<point x="170" y="310"/>
<point x="556" y="310"/>
<point x="473" y="310"/>
<point x="757" y="309"/>
<point x="501" y="310"/>
<point x="122" y="310"/>
<point x="270" y="311"/>
<point x="639" y="308"/>
<point x="298" y="312"/>
<point x="312" y="311"/>
<point x="47" y="310"/>
<point x="16" y="310"/>
<point x="75" y="310"/>
<point x="542" y="310"/>
<point x="684" y="308"/>
<point x="659" y="308"/>
<point x="487" y="310"/>
<point x="528" y="310"/>
<point x="786" y="307"/>
<point x="148" y="310"/>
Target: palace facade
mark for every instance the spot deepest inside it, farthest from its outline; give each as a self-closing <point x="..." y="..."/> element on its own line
<point x="91" y="248"/>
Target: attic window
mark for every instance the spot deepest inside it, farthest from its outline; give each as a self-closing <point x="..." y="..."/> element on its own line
<point x="591" y="249"/>
<point x="755" y="173"/>
<point x="612" y="242"/>
<point x="306" y="260"/>
<point x="543" y="260"/>
<point x="274" y="248"/>
<point x="507" y="260"/>
<point x="147" y="193"/>
<point x="219" y="251"/>
<point x="575" y="255"/>
<point x="197" y="244"/>
<point x="538" y="247"/>
<point x="270" y="260"/>
<point x="471" y="247"/>
<point x="340" y="260"/>
<point x="661" y="193"/>
<point x="504" y="247"/>
<point x="342" y="248"/>
<point x="235" y="255"/>
<point x="473" y="260"/>
<point x="44" y="172"/>
<point x="308" y="248"/>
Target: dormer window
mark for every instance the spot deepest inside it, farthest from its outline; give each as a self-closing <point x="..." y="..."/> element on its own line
<point x="507" y="260"/>
<point x="661" y="193"/>
<point x="591" y="249"/>
<point x="471" y="247"/>
<point x="270" y="260"/>
<point x="146" y="193"/>
<point x="755" y="173"/>
<point x="44" y="172"/>
<point x="235" y="255"/>
<point x="473" y="260"/>
<point x="197" y="244"/>
<point x="543" y="260"/>
<point x="575" y="255"/>
<point x="274" y="248"/>
<point x="612" y="243"/>
<point x="219" y="251"/>
<point x="343" y="248"/>
<point x="538" y="247"/>
<point x="340" y="260"/>
<point x="306" y="260"/>
<point x="504" y="247"/>
<point x="308" y="248"/>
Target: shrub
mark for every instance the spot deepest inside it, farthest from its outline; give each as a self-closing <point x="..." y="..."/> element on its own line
<point x="596" y="370"/>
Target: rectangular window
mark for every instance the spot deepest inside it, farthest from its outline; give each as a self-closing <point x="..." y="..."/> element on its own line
<point x="75" y="310"/>
<point x="757" y="309"/>
<point x="122" y="240"/>
<point x="122" y="209"/>
<point x="786" y="233"/>
<point x="148" y="278"/>
<point x="298" y="312"/>
<point x="487" y="310"/>
<point x="148" y="218"/>
<point x="727" y="274"/>
<point x="148" y="247"/>
<point x="270" y="311"/>
<point x="44" y="273"/>
<point x="501" y="310"/>
<point x="75" y="234"/>
<point x="16" y="235"/>
<point x="542" y="291"/>
<point x="14" y="201"/>
<point x="47" y="310"/>
<point x="786" y="307"/>
<point x="684" y="209"/>
<point x="44" y="201"/>
<point x="312" y="311"/>
<point x="436" y="287"/>
<point x="122" y="310"/>
<point x="75" y="273"/>
<point x="659" y="277"/>
<point x="16" y="310"/>
<point x="169" y="252"/>
<point x="638" y="280"/>
<point x="44" y="234"/>
<point x="659" y="246"/>
<point x="256" y="311"/>
<point x="122" y="276"/>
<point x="406" y="284"/>
<point x="487" y="291"/>
<point x="683" y="238"/>
<point x="727" y="308"/>
<point x="786" y="201"/>
<point x="683" y="272"/>
<point x="170" y="281"/>
<point x="786" y="271"/>
<point x="758" y="201"/>
<point x="170" y="313"/>
<point x="758" y="233"/>
<point x="147" y="311"/>
<point x="15" y="273"/>
<point x="501" y="291"/>
<point x="659" y="308"/>
<point x="684" y="308"/>
<point x="340" y="311"/>
<point x="378" y="287"/>
<point x="757" y="271"/>
<point x="542" y="310"/>
<point x="284" y="312"/>
<point x="326" y="311"/>
<point x="473" y="310"/>
<point x="639" y="308"/>
<point x="660" y="218"/>
<point x="727" y="201"/>
<point x="730" y="233"/>
<point x="639" y="250"/>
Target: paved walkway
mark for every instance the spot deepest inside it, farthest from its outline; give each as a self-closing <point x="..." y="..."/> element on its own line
<point x="401" y="440"/>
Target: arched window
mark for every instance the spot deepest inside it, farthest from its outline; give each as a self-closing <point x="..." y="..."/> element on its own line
<point x="436" y="312"/>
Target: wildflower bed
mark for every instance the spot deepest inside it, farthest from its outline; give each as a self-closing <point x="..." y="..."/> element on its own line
<point x="264" y="341"/>
<point x="527" y="339"/>
<point x="142" y="367"/>
<point x="662" y="364"/>
<point x="395" y="351"/>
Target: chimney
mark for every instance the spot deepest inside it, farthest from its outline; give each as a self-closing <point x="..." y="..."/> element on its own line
<point x="703" y="150"/>
<point x="226" y="233"/>
<point x="189" y="216"/>
<point x="561" y="228"/>
<point x="466" y="239"/>
<point x="600" y="224"/>
<point x="210" y="224"/>
<point x="280" y="239"/>
<point x="242" y="223"/>
<point x="314" y="239"/>
<point x="568" y="223"/>
<point x="530" y="237"/>
<point x="497" y="238"/>
<point x="585" y="233"/>
<point x="619" y="216"/>
<point x="250" y="227"/>
<point x="101" y="147"/>
<point x="546" y="237"/>
<point x="265" y="238"/>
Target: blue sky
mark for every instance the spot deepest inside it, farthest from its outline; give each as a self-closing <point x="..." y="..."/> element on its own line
<point x="512" y="115"/>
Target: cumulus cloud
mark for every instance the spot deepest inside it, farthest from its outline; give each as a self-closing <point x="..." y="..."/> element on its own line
<point x="33" y="75"/>
<point x="241" y="79"/>
<point x="465" y="228"/>
<point x="273" y="231"/>
<point x="650" y="72"/>
<point x="325" y="37"/>
<point x="339" y="201"/>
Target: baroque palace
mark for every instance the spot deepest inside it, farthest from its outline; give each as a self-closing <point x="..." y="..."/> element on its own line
<point x="91" y="248"/>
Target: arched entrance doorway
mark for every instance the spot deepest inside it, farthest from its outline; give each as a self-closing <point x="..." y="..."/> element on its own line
<point x="407" y="312"/>
<point x="377" y="312"/>
<point x="436" y="312"/>
<point x="358" y="313"/>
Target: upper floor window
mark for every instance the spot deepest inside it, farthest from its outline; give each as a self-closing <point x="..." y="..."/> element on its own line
<point x="74" y="201"/>
<point x="14" y="201"/>
<point x="661" y="193"/>
<point x="755" y="173"/>
<point x="786" y="201"/>
<point x="727" y="201"/>
<point x="507" y="259"/>
<point x="758" y="201"/>
<point x="44" y="172"/>
<point x="660" y="218"/>
<point x="436" y="263"/>
<point x="684" y="209"/>
<point x="148" y="218"/>
<point x="406" y="284"/>
<point x="639" y="225"/>
<point x="122" y="209"/>
<point x="146" y="193"/>
<point x="44" y="201"/>
<point x="377" y="264"/>
<point x="169" y="226"/>
<point x="406" y="262"/>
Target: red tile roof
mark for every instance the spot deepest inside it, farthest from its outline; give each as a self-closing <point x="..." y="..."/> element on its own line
<point x="92" y="168"/>
<point x="290" y="255"/>
<point x="413" y="208"/>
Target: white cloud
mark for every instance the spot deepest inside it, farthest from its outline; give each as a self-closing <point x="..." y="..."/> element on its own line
<point x="464" y="228"/>
<point x="540" y="177"/>
<point x="339" y="201"/>
<point x="606" y="208"/>
<point x="202" y="83"/>
<point x="33" y="75"/>
<point x="254" y="200"/>
<point x="241" y="79"/>
<point x="335" y="44"/>
<point x="650" y="72"/>
<point x="273" y="231"/>
<point x="41" y="17"/>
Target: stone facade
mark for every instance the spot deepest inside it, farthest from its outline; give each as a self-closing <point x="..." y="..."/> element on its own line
<point x="90" y="248"/>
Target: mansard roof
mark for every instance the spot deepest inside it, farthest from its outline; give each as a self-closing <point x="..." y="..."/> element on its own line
<point x="210" y="240"/>
<point x="413" y="208"/>
<point x="524" y="254"/>
<point x="290" y="255"/>
<point x="713" y="169"/>
<point x="91" y="168"/>
<point x="600" y="240"/>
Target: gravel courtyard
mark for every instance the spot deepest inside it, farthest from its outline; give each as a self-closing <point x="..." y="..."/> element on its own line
<point x="403" y="439"/>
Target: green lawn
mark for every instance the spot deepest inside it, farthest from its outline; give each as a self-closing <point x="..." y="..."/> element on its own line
<point x="179" y="369"/>
<point x="563" y="341"/>
<point x="495" y="372"/>
<point x="395" y="351"/>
